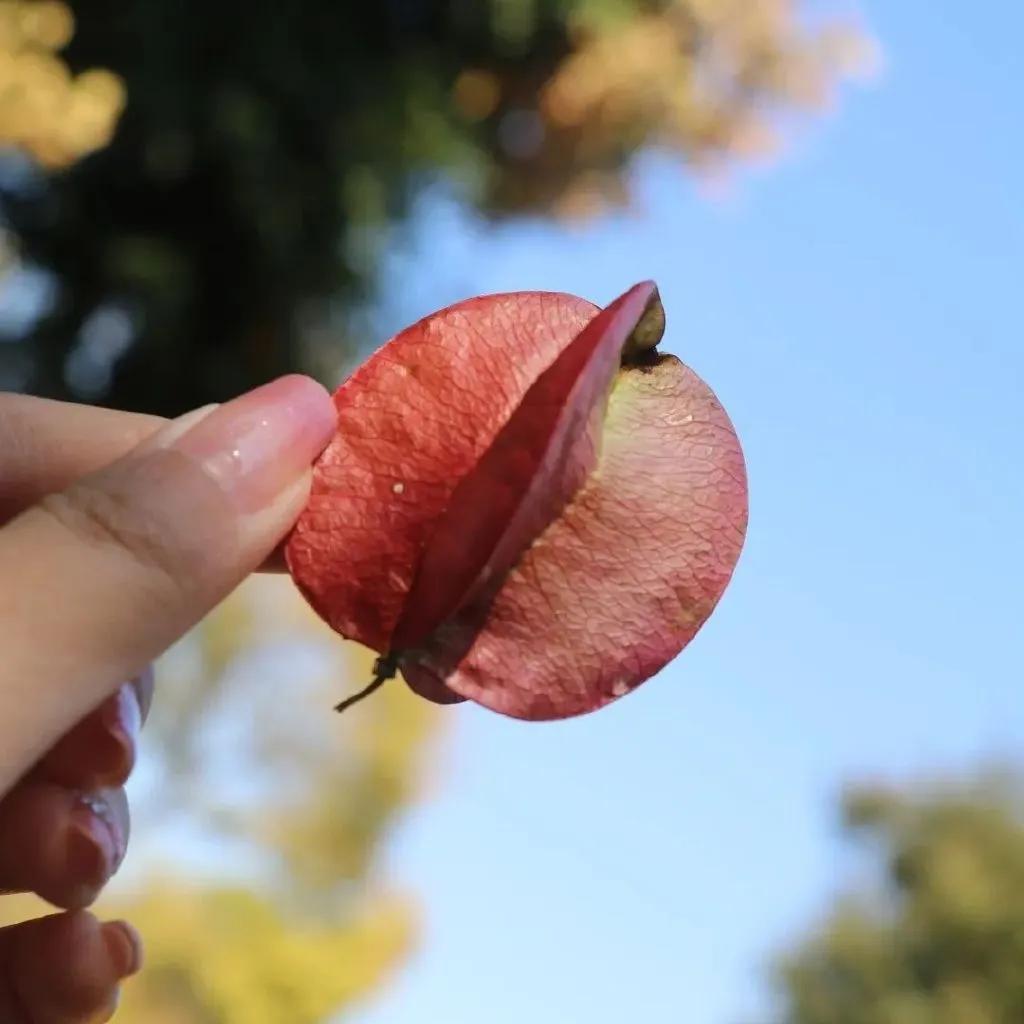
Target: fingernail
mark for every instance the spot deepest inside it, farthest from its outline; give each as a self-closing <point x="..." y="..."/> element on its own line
<point x="258" y="445"/>
<point x="90" y="857"/>
<point x="143" y="687"/>
<point x="177" y="428"/>
<point x="124" y="946"/>
<point x="95" y="843"/>
<point x="122" y="720"/>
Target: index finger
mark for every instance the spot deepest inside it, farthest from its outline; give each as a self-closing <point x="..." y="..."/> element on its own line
<point x="45" y="446"/>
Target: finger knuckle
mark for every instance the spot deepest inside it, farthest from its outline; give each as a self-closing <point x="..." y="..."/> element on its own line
<point x="108" y="519"/>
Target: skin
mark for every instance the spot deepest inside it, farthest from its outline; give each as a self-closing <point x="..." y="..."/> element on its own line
<point x="118" y="533"/>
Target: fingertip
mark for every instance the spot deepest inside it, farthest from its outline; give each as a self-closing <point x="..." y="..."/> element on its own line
<point x="124" y="946"/>
<point x="67" y="967"/>
<point x="101" y="749"/>
<point x="60" y="844"/>
<point x="257" y="445"/>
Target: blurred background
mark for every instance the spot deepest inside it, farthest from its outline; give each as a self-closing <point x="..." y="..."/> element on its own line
<point x="816" y="815"/>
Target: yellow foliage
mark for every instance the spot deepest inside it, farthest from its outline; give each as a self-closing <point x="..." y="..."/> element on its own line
<point x="232" y="956"/>
<point x="53" y="115"/>
<point x="704" y="78"/>
<point x="22" y="907"/>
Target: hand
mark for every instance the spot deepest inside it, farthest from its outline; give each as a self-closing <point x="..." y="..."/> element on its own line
<point x="103" y="565"/>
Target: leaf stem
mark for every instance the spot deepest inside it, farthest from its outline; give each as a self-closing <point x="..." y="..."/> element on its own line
<point x="383" y="670"/>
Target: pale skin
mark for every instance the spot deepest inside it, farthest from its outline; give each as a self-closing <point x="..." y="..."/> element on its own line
<point x="118" y="533"/>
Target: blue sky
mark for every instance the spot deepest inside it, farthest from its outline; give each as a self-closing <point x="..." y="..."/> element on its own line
<point x="858" y="310"/>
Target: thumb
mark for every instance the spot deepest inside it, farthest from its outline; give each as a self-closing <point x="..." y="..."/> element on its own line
<point x="103" y="577"/>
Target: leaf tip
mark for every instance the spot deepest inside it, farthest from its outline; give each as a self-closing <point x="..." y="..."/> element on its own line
<point x="649" y="330"/>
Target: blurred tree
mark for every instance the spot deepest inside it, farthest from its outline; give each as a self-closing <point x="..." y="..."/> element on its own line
<point x="190" y="188"/>
<point x="254" y="873"/>
<point x="942" y="941"/>
<point x="265" y="144"/>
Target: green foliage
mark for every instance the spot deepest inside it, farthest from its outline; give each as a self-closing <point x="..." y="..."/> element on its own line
<point x="265" y="146"/>
<point x="942" y="940"/>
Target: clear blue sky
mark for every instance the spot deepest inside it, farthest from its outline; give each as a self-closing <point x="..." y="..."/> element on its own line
<point x="858" y="310"/>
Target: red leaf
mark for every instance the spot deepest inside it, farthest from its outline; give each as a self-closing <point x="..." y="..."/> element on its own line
<point x="537" y="462"/>
<point x="532" y="575"/>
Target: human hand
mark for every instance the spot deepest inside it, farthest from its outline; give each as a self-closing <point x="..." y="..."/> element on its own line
<point x="101" y="569"/>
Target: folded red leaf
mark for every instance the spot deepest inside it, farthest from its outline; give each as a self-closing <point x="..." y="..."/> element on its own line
<point x="537" y="462"/>
<point x="537" y="547"/>
<point x="622" y="581"/>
